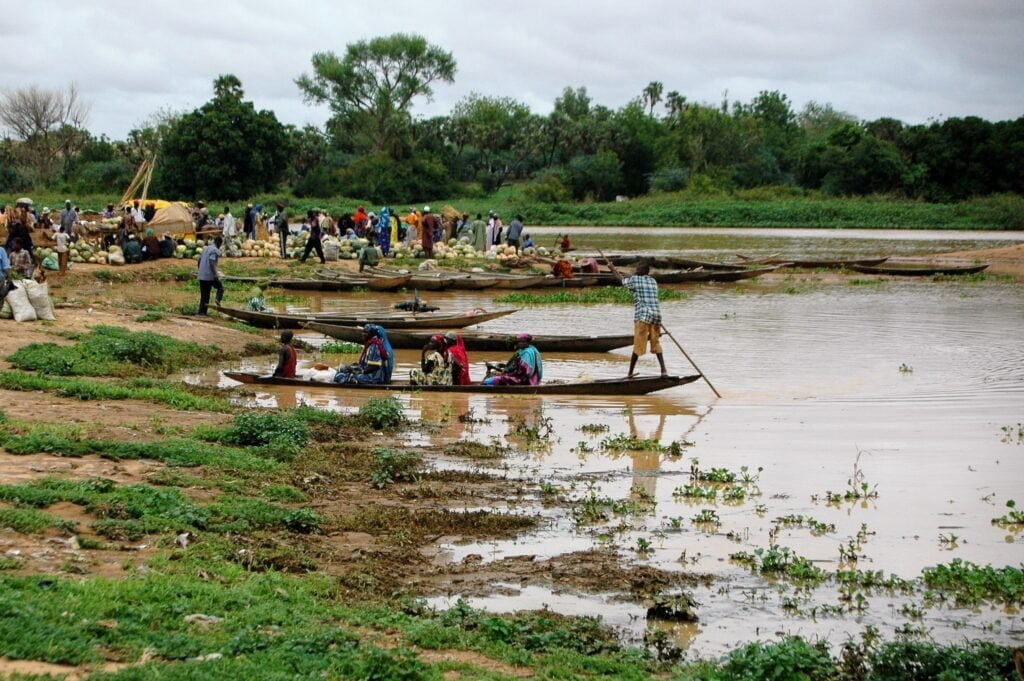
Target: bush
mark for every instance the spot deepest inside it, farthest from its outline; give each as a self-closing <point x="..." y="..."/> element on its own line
<point x="113" y="351"/>
<point x="394" y="466"/>
<point x="382" y="413"/>
<point x="670" y="179"/>
<point x="274" y="430"/>
<point x="546" y="188"/>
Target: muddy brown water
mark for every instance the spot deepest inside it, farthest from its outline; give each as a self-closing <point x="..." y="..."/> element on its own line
<point x="812" y="384"/>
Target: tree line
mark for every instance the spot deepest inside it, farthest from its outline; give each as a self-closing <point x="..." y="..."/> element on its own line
<point x="374" y="146"/>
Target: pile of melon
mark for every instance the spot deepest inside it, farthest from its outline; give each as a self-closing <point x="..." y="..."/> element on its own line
<point x="258" y="249"/>
<point x="83" y="252"/>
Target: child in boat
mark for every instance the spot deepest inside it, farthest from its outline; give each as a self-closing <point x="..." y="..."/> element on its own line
<point x="287" y="357"/>
<point x="376" y="362"/>
<point x="524" y="368"/>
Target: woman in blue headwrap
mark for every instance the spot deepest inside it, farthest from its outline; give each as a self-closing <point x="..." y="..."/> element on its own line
<point x="524" y="368"/>
<point x="385" y="230"/>
<point x="375" y="364"/>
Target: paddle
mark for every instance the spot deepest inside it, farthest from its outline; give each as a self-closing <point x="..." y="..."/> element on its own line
<point x="685" y="354"/>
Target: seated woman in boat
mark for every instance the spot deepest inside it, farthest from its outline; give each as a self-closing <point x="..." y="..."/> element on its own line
<point x="456" y="349"/>
<point x="376" y="362"/>
<point x="435" y="369"/>
<point x="524" y="368"/>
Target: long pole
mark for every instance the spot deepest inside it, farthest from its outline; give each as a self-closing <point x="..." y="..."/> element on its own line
<point x="685" y="354"/>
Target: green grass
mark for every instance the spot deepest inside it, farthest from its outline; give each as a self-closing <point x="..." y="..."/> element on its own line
<point x="149" y="390"/>
<point x="128" y="513"/>
<point x="340" y="348"/>
<point x="31" y="521"/>
<point x="607" y="294"/>
<point x="173" y="451"/>
<point x="114" y="351"/>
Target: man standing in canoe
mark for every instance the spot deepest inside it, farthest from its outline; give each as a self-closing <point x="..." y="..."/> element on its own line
<point x="646" y="316"/>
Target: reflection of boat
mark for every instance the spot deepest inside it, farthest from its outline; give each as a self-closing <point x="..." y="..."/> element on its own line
<point x="640" y="385"/>
<point x="389" y="320"/>
<point x="481" y="340"/>
<point x="920" y="269"/>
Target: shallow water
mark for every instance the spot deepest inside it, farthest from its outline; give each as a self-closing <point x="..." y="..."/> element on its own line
<point x="812" y="385"/>
<point x="725" y="242"/>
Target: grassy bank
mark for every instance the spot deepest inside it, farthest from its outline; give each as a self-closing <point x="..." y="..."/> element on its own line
<point x="762" y="207"/>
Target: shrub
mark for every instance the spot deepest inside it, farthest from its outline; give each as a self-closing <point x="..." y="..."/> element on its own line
<point x="382" y="413"/>
<point x="394" y="466"/>
<point x="670" y="179"/>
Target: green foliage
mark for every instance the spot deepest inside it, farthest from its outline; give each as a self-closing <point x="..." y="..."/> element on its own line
<point x="273" y="429"/>
<point x="970" y="584"/>
<point x="595" y="176"/>
<point x="381" y="413"/>
<point x="114" y="351"/>
<point x="392" y="466"/>
<point x="595" y="295"/>
<point x="30" y="521"/>
<point x="173" y="451"/>
<point x="224" y="149"/>
<point x="172" y="394"/>
<point x="151" y="317"/>
<point x="131" y="512"/>
<point x="371" y="89"/>
<point x="340" y="348"/>
<point x="669" y="179"/>
<point x="791" y="659"/>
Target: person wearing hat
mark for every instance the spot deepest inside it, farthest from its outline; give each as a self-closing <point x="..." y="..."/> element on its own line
<point x="525" y="367"/>
<point x="68" y="217"/>
<point x="431" y="228"/>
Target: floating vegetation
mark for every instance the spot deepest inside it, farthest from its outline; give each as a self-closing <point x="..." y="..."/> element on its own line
<point x="1013" y="519"/>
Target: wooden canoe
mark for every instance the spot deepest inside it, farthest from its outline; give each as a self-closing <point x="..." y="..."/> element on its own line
<point x="831" y="264"/>
<point x="920" y="269"/>
<point x="513" y="281"/>
<point x="389" y="320"/>
<point x="370" y="280"/>
<point x="302" y="284"/>
<point x="480" y="340"/>
<point x="685" y="276"/>
<point x="640" y="385"/>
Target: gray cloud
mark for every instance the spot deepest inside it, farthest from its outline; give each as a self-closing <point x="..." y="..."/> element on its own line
<point x="913" y="59"/>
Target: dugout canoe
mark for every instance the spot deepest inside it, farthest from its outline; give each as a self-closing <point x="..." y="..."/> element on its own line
<point x="302" y="284"/>
<point x="686" y="276"/>
<point x="389" y="320"/>
<point x="831" y="264"/>
<point x="370" y="280"/>
<point x="513" y="281"/>
<point x="480" y="340"/>
<point x="920" y="269"/>
<point x="640" y="385"/>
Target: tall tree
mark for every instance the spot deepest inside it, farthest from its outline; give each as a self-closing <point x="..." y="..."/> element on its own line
<point x="228" y="85"/>
<point x="50" y="125"/>
<point x="372" y="88"/>
<point x="652" y="95"/>
<point x="223" y="150"/>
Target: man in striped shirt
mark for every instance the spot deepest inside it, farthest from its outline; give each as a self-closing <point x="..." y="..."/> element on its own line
<point x="646" y="316"/>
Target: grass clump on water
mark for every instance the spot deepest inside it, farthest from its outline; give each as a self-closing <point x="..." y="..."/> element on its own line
<point x="607" y="294"/>
<point x="114" y="351"/>
<point x="381" y="413"/>
<point x="149" y="390"/>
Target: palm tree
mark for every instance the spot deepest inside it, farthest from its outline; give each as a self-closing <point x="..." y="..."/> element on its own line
<point x="652" y="93"/>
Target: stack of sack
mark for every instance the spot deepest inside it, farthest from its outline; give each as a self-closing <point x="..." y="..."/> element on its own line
<point x="28" y="301"/>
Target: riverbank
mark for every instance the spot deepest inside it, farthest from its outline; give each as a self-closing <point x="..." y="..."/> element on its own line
<point x="154" y="527"/>
<point x="766" y="207"/>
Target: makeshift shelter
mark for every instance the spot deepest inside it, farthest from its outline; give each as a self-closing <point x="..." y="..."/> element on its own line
<point x="174" y="218"/>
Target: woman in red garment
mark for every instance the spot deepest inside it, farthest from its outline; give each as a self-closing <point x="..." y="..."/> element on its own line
<point x="456" y="349"/>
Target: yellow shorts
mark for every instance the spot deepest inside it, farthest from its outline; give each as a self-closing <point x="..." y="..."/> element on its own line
<point x="642" y="332"/>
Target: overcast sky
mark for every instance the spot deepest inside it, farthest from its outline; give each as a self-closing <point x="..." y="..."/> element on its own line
<point x="911" y="59"/>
